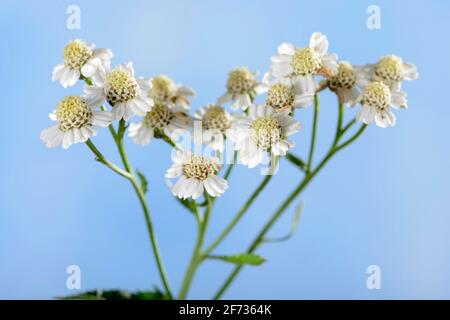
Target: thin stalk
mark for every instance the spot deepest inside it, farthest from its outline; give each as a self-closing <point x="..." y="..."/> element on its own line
<point x="230" y="166"/>
<point x="277" y="214"/>
<point x="102" y="159"/>
<point x="145" y="208"/>
<point x="314" y="132"/>
<point x="196" y="254"/>
<point x="339" y="123"/>
<point x="238" y="216"/>
<point x="296" y="161"/>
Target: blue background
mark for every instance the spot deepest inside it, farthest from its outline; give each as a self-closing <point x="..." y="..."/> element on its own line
<point x="383" y="201"/>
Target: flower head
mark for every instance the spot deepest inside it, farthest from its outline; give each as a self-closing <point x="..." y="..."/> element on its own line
<point x="216" y="125"/>
<point x="196" y="174"/>
<point x="262" y="131"/>
<point x="284" y="94"/>
<point x="125" y="93"/>
<point x="376" y="100"/>
<point x="161" y="119"/>
<point x="344" y="83"/>
<point x="303" y="64"/>
<point x="242" y="87"/>
<point x="76" y="119"/>
<point x="391" y="70"/>
<point x="164" y="90"/>
<point x="81" y="59"/>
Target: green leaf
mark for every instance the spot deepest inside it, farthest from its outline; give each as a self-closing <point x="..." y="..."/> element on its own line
<point x="115" y="294"/>
<point x="144" y="182"/>
<point x="243" y="258"/>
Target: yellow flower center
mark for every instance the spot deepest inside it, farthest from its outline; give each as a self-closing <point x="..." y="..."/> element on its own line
<point x="216" y="118"/>
<point x="389" y="69"/>
<point x="159" y="117"/>
<point x="305" y="62"/>
<point x="240" y="81"/>
<point x="265" y="131"/>
<point x="76" y="54"/>
<point x="345" y="77"/>
<point x="162" y="89"/>
<point x="376" y="95"/>
<point x="200" y="167"/>
<point x="73" y="112"/>
<point x="280" y="97"/>
<point x="122" y="87"/>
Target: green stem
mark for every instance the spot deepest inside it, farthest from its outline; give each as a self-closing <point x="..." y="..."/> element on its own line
<point x="314" y="132"/>
<point x="196" y="255"/>
<point x="238" y="216"/>
<point x="230" y="166"/>
<point x="145" y="209"/>
<point x="296" y="161"/>
<point x="107" y="163"/>
<point x="277" y="214"/>
<point x="339" y="123"/>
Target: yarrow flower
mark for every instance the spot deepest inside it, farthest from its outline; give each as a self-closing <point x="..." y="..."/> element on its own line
<point x="391" y="70"/>
<point x="376" y="100"/>
<point x="161" y="119"/>
<point x="216" y="125"/>
<point x="304" y="63"/>
<point x="196" y="174"/>
<point x="262" y="131"/>
<point x="164" y="90"/>
<point x="81" y="59"/>
<point x="284" y="94"/>
<point x="344" y="83"/>
<point x="242" y="87"/>
<point x="76" y="119"/>
<point x="126" y="94"/>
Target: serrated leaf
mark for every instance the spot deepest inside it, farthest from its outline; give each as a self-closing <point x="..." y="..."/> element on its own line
<point x="144" y="182"/>
<point x="243" y="258"/>
<point x="156" y="294"/>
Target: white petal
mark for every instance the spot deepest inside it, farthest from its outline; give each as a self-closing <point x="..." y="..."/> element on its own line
<point x="90" y="67"/>
<point x="52" y="136"/>
<point x="366" y="114"/>
<point x="319" y="43"/>
<point x="58" y="71"/>
<point x="410" y="72"/>
<point x="102" y="118"/>
<point x="398" y="99"/>
<point x="286" y="48"/>
<point x="224" y="99"/>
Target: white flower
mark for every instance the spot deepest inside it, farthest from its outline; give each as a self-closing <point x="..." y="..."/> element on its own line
<point x="123" y="91"/>
<point x="81" y="59"/>
<point x="197" y="173"/>
<point x="242" y="88"/>
<point x="75" y="119"/>
<point x="304" y="63"/>
<point x="161" y="119"/>
<point x="391" y="70"/>
<point x="262" y="131"/>
<point x="376" y="100"/>
<point x="285" y="94"/>
<point x="216" y="125"/>
<point x="344" y="82"/>
<point x="164" y="90"/>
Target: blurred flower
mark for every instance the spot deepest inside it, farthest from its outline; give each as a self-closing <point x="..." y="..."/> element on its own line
<point x="344" y="83"/>
<point x="391" y="70"/>
<point x="161" y="119"/>
<point x="304" y="63"/>
<point x="75" y="118"/>
<point x="242" y="88"/>
<point x="262" y="131"/>
<point x="164" y="90"/>
<point x="197" y="173"/>
<point x="376" y="100"/>
<point x="81" y="59"/>
<point x="124" y="93"/>
<point x="216" y="125"/>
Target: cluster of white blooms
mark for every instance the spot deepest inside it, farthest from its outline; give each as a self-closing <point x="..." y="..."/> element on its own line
<point x="256" y="129"/>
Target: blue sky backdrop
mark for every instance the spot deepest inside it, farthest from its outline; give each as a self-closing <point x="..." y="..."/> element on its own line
<point x="383" y="201"/>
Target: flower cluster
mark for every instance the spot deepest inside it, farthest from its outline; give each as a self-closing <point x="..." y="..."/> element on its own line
<point x="255" y="128"/>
